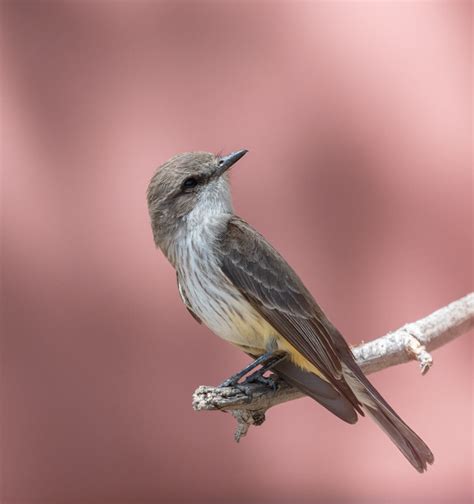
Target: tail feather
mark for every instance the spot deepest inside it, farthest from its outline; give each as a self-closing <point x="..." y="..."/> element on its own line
<point x="318" y="389"/>
<point x="408" y="442"/>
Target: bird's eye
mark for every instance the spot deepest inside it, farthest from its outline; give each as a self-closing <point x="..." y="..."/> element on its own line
<point x="189" y="183"/>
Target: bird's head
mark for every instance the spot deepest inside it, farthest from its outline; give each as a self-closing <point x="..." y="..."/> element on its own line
<point x="187" y="189"/>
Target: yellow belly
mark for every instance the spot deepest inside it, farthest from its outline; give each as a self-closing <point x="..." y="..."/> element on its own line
<point x="257" y="336"/>
<point x="297" y="358"/>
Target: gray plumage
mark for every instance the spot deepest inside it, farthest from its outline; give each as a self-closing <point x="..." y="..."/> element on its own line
<point x="235" y="282"/>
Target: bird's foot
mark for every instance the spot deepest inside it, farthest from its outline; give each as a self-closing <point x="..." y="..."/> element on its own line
<point x="267" y="361"/>
<point x="230" y="382"/>
<point x="269" y="381"/>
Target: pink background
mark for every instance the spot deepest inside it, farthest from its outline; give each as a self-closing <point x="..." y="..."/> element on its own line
<point x="357" y="118"/>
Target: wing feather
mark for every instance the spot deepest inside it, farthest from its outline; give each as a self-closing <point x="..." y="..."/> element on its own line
<point x="276" y="292"/>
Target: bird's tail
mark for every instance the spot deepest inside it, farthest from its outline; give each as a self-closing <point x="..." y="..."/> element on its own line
<point x="409" y="443"/>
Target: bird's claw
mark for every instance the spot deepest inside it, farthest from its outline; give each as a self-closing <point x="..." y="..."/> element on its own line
<point x="268" y="381"/>
<point x="230" y="382"/>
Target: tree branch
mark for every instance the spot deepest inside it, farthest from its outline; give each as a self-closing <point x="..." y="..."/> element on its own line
<point x="248" y="402"/>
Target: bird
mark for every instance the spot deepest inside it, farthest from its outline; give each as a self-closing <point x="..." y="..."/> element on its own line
<point x="231" y="279"/>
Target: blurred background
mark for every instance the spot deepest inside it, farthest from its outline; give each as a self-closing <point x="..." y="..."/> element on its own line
<point x="357" y="116"/>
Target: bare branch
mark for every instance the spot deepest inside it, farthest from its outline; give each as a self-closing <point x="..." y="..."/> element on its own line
<point x="249" y="402"/>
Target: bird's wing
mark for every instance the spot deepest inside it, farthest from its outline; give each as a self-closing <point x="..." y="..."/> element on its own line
<point x="275" y="291"/>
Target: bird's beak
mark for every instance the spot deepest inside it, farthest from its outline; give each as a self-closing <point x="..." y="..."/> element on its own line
<point x="226" y="162"/>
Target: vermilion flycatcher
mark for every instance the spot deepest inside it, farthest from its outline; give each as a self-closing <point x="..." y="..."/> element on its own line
<point x="234" y="281"/>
